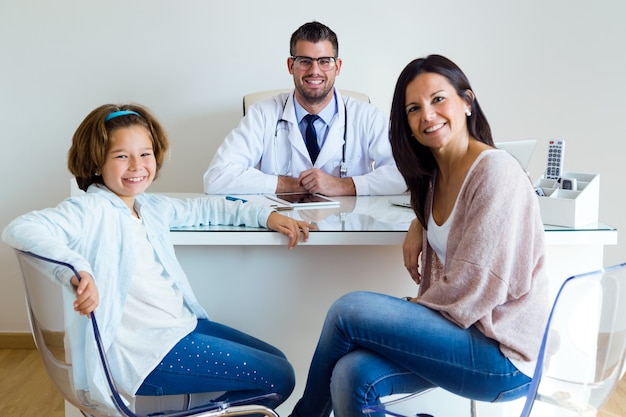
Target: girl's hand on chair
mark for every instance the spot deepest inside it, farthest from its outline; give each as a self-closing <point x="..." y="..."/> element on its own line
<point x="87" y="298"/>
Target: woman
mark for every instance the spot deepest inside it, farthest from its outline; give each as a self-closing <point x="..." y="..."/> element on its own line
<point x="475" y="326"/>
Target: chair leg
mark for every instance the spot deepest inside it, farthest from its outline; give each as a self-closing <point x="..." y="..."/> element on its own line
<point x="473" y="408"/>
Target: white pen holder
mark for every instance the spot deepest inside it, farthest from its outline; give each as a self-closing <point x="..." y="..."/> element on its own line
<point x="572" y="202"/>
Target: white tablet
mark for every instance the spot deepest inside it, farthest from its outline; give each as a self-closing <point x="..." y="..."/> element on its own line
<point x="401" y="201"/>
<point x="297" y="200"/>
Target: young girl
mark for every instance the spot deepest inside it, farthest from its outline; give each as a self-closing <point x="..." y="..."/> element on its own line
<point x="158" y="338"/>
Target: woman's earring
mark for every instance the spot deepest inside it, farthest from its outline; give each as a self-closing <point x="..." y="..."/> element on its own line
<point x="468" y="112"/>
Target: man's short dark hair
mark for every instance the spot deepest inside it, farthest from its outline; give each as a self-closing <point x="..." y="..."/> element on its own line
<point x="314" y="32"/>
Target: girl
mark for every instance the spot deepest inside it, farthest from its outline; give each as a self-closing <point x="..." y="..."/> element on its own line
<point x="158" y="338"/>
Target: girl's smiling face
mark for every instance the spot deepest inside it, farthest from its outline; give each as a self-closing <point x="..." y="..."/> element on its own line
<point x="130" y="165"/>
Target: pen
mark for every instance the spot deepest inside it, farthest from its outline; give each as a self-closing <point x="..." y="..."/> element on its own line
<point x="230" y="198"/>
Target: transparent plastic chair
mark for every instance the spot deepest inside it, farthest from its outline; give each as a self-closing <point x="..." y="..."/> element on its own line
<point x="44" y="299"/>
<point x="582" y="354"/>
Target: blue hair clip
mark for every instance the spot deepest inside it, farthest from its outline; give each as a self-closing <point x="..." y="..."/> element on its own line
<point x="120" y="113"/>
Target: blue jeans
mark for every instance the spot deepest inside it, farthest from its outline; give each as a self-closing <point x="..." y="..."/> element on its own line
<point x="373" y="345"/>
<point x="215" y="357"/>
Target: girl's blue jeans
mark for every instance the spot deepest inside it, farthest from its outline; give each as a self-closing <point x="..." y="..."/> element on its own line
<point x="215" y="357"/>
<point x="373" y="345"/>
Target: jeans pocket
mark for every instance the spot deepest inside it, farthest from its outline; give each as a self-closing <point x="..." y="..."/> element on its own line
<point x="514" y="393"/>
<point x="150" y="390"/>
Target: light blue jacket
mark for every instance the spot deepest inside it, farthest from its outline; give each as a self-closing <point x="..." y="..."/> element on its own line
<point x="92" y="232"/>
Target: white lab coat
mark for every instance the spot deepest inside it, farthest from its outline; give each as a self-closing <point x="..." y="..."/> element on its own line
<point x="268" y="143"/>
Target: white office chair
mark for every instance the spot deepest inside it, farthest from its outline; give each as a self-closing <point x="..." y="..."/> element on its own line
<point x="44" y="299"/>
<point x="582" y="352"/>
<point x="252" y="98"/>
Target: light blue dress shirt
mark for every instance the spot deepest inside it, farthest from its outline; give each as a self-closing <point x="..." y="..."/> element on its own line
<point x="321" y="125"/>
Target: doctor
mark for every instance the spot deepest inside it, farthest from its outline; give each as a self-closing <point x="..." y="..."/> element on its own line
<point x="348" y="150"/>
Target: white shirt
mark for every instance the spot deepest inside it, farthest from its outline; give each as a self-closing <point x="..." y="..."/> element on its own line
<point x="154" y="314"/>
<point x="438" y="236"/>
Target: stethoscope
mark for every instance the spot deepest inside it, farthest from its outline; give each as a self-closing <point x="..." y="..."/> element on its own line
<point x="343" y="167"/>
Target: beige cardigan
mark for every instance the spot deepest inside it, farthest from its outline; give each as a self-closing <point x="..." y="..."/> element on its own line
<point x="494" y="275"/>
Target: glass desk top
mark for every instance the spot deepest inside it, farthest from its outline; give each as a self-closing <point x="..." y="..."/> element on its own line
<point x="355" y="214"/>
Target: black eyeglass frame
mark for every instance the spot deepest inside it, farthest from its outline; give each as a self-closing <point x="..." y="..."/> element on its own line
<point x="332" y="61"/>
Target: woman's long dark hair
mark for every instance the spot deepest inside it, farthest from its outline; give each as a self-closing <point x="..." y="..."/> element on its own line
<point x="416" y="161"/>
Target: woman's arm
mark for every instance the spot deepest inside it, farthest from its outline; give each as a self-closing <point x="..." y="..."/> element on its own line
<point x="412" y="249"/>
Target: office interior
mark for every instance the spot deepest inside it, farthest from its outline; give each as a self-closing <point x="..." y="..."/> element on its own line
<point x="541" y="70"/>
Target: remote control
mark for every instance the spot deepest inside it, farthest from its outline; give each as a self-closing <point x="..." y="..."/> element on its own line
<point x="555" y="159"/>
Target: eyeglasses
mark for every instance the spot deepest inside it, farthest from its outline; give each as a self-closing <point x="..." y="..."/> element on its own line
<point x="326" y="63"/>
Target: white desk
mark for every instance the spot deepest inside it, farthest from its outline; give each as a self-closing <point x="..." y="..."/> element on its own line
<point x="247" y="278"/>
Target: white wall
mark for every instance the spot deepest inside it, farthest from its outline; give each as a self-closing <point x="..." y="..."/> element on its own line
<point x="540" y="69"/>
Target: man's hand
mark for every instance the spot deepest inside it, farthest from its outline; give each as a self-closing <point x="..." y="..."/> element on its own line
<point x="289" y="185"/>
<point x="293" y="229"/>
<point x="316" y="181"/>
<point x="412" y="248"/>
<point x="87" y="298"/>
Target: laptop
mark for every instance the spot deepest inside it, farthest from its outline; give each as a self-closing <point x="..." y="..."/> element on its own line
<point x="522" y="150"/>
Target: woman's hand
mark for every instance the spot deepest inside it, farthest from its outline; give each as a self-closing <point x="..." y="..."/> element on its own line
<point x="412" y="248"/>
<point x="293" y="229"/>
<point x="87" y="298"/>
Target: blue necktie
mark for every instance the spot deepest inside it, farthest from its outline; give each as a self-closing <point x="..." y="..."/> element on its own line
<point x="311" y="137"/>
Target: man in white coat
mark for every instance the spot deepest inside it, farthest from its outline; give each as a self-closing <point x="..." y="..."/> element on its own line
<point x="348" y="150"/>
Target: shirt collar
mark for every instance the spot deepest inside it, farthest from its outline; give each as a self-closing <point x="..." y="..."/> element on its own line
<point x="104" y="191"/>
<point x="327" y="114"/>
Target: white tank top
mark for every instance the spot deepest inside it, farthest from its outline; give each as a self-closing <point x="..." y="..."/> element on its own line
<point x="438" y="235"/>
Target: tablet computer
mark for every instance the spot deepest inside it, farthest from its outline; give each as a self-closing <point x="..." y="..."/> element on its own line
<point x="401" y="201"/>
<point x="297" y="200"/>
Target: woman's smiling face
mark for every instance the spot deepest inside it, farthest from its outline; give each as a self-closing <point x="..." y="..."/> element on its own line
<point x="435" y="112"/>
